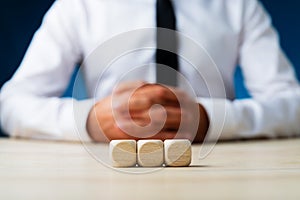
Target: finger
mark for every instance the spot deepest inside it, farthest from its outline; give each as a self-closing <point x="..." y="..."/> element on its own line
<point x="133" y="132"/>
<point x="164" y="135"/>
<point x="159" y="136"/>
<point x="159" y="94"/>
<point x="136" y="102"/>
<point x="148" y="95"/>
<point x="120" y="135"/>
<point x="185" y="135"/>
<point x="128" y="86"/>
<point x="165" y="95"/>
<point x="176" y="93"/>
<point x="139" y="103"/>
<point x="123" y="102"/>
<point x="172" y="116"/>
<point x="137" y="129"/>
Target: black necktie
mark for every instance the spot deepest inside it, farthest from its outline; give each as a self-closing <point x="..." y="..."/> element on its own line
<point x="166" y="40"/>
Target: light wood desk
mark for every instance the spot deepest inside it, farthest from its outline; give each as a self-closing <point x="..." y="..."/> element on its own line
<point x="237" y="170"/>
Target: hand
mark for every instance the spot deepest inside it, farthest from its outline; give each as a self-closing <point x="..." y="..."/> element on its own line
<point x="101" y="124"/>
<point x="152" y="111"/>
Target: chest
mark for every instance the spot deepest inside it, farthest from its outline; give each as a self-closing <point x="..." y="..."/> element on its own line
<point x="209" y="42"/>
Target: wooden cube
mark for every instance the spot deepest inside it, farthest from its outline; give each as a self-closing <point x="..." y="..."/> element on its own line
<point x="177" y="153"/>
<point x="150" y="153"/>
<point x="123" y="153"/>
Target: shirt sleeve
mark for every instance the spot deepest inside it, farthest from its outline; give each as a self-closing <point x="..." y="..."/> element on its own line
<point x="31" y="106"/>
<point x="274" y="109"/>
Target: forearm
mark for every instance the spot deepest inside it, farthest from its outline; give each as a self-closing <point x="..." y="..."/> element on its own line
<point x="252" y="118"/>
<point x="29" y="116"/>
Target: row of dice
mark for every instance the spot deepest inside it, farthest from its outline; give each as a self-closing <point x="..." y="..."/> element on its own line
<point x="150" y="153"/>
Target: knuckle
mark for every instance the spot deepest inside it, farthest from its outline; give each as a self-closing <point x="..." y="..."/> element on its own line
<point x="163" y="112"/>
<point x="147" y="101"/>
<point x="161" y="92"/>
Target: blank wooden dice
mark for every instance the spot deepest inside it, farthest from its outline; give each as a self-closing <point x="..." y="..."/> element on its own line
<point x="150" y="153"/>
<point x="123" y="153"/>
<point x="177" y="152"/>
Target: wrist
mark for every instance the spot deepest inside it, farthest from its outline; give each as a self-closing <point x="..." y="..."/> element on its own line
<point x="203" y="124"/>
<point x="93" y="127"/>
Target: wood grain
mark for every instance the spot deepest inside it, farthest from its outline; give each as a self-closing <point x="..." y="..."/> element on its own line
<point x="123" y="153"/>
<point x="177" y="153"/>
<point x="268" y="169"/>
<point x="150" y="153"/>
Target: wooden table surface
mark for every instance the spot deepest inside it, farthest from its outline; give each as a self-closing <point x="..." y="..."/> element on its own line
<point x="268" y="169"/>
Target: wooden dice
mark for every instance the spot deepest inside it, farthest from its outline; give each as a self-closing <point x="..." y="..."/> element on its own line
<point x="177" y="153"/>
<point x="150" y="153"/>
<point x="123" y="153"/>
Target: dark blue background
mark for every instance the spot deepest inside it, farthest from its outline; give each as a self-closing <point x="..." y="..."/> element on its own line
<point x="20" y="18"/>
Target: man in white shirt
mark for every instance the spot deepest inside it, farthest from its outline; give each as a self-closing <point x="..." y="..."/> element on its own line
<point x="232" y="32"/>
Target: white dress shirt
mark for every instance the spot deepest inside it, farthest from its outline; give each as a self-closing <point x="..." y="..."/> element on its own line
<point x="232" y="32"/>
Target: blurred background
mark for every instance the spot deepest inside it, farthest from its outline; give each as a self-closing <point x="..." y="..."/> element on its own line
<point x="19" y="20"/>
